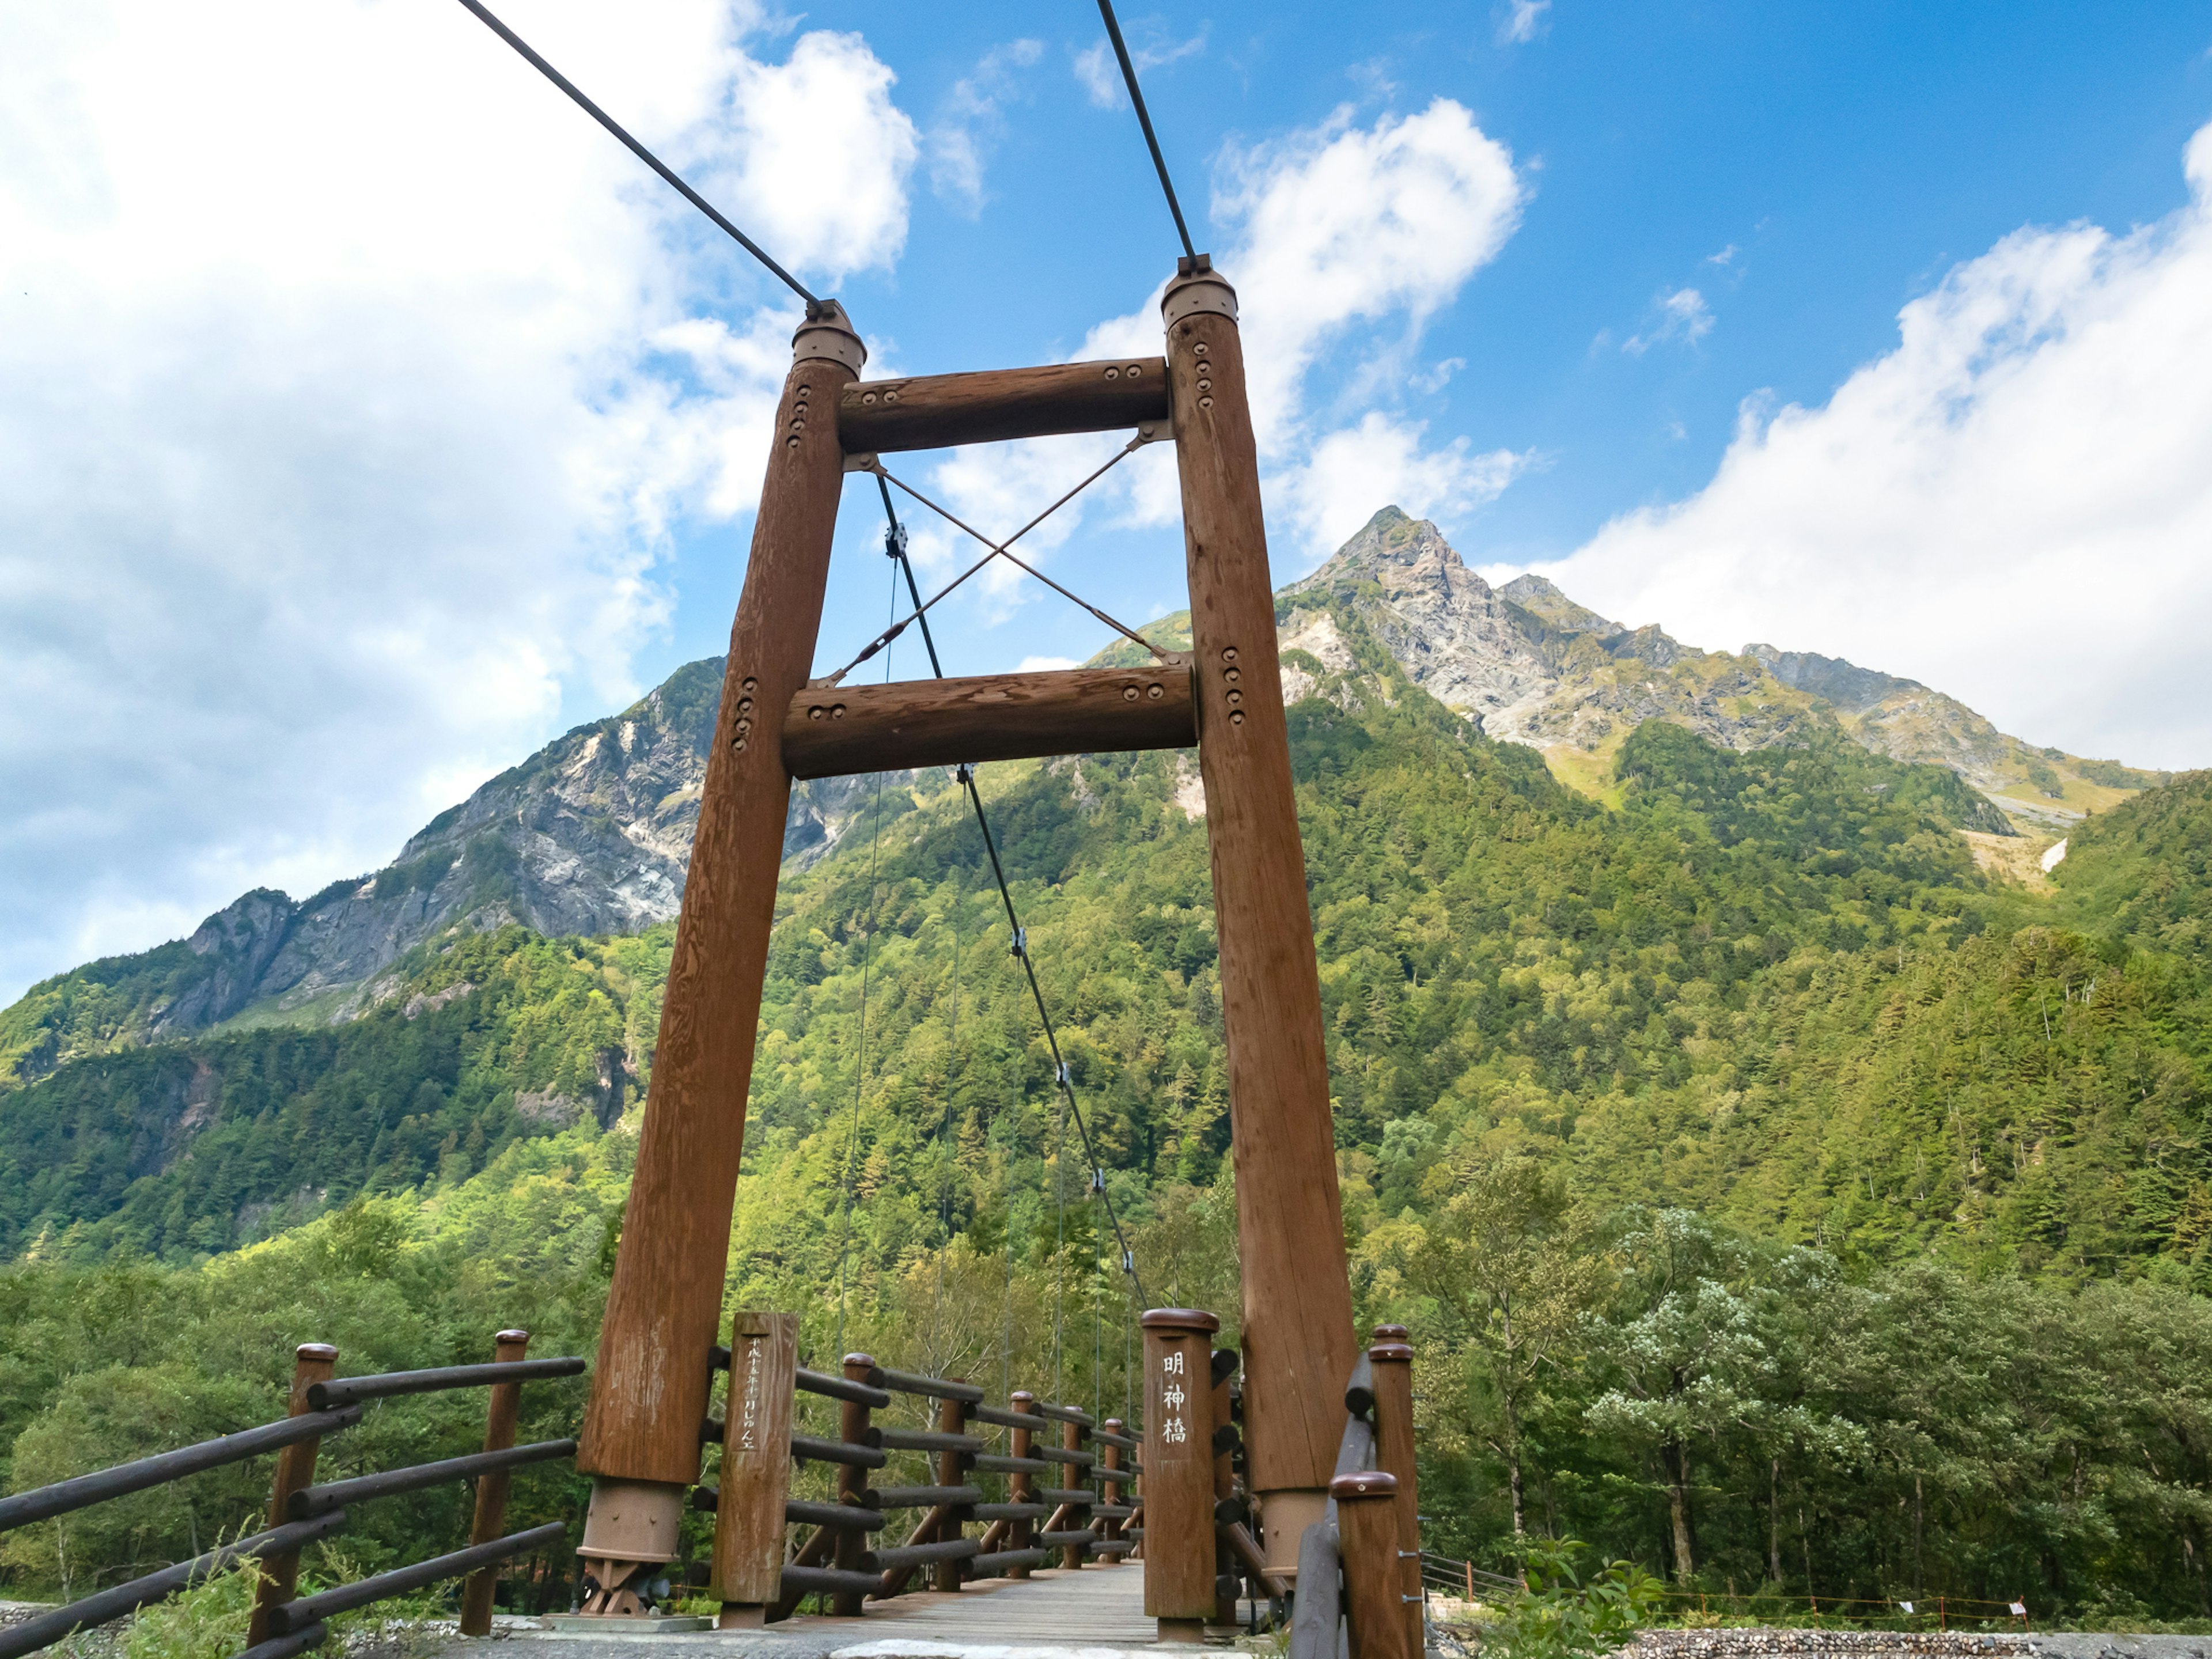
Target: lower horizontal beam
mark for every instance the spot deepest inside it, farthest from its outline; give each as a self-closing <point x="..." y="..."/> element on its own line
<point x="836" y="732"/>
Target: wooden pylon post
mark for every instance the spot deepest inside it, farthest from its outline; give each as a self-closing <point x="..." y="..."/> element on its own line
<point x="640" y="1435"/>
<point x="1298" y="1332"/>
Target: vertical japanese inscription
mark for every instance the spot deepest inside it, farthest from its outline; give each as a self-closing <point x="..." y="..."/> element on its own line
<point x="755" y="1459"/>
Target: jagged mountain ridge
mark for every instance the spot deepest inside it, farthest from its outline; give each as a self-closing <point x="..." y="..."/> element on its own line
<point x="1537" y="667"/>
<point x="591" y="834"/>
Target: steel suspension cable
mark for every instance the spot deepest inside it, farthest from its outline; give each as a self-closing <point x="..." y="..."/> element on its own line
<point x="966" y="776"/>
<point x="667" y="172"/>
<point x="1144" y="120"/>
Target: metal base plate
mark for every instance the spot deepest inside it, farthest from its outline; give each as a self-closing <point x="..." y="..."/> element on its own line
<point x="674" y="1624"/>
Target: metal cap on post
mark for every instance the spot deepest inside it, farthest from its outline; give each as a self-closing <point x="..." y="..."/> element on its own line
<point x="828" y="332"/>
<point x="1179" y="1571"/>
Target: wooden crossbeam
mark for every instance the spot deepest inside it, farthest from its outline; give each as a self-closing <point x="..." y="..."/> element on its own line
<point x="838" y="730"/>
<point x="936" y="410"/>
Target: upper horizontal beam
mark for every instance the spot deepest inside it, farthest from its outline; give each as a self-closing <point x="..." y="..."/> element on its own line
<point x="837" y="732"/>
<point x="936" y="410"/>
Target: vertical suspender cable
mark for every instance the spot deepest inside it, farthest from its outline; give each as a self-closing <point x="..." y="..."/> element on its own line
<point x="860" y="1055"/>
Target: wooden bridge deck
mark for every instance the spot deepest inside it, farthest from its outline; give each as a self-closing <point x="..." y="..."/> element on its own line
<point x="1097" y="1611"/>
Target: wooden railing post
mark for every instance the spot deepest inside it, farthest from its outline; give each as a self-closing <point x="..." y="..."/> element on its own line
<point x="1179" y="1567"/>
<point x="1021" y="1484"/>
<point x="1367" y="1528"/>
<point x="747" y="1576"/>
<point x="951" y="1471"/>
<point x="1072" y="1436"/>
<point x="852" y="1481"/>
<point x="1392" y="1358"/>
<point x="312" y="1362"/>
<point x="499" y="1413"/>
<point x="1109" y="1526"/>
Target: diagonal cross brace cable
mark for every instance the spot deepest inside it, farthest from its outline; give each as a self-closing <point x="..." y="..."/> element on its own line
<point x="667" y="172"/>
<point x="895" y="545"/>
<point x="884" y="480"/>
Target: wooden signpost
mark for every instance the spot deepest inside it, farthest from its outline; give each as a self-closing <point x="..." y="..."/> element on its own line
<point x="640" y="1439"/>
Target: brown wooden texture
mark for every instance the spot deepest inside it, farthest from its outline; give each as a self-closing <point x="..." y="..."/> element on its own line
<point x="851" y="1482"/>
<point x="1109" y="1527"/>
<point x="499" y="1413"/>
<point x="840" y="730"/>
<point x="312" y="1362"/>
<point x="934" y="410"/>
<point x="1020" y="1485"/>
<point x="951" y="1471"/>
<point x="1178" y="1463"/>
<point x="1298" y="1332"/>
<point x="748" y="1563"/>
<point x="813" y="1553"/>
<point x="1071" y="1556"/>
<point x="1367" y="1528"/>
<point x="649" y="1388"/>
<point x="1394" y="1453"/>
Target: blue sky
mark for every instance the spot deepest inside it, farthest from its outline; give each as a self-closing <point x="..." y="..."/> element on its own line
<point x="367" y="415"/>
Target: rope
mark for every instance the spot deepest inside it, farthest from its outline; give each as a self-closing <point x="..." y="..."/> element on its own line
<point x="883" y="482"/>
<point x="1144" y="120"/>
<point x="814" y="305"/>
<point x="966" y="776"/>
<point x="860" y="1058"/>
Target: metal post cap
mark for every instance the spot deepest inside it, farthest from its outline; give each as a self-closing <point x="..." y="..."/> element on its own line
<point x="511" y="1336"/>
<point x="1391" y="1332"/>
<point x="315" y="1351"/>
<point x="1178" y="1319"/>
<point x="829" y="332"/>
<point x="1402" y="1353"/>
<point x="1196" y="287"/>
<point x="1368" y="1483"/>
<point x="862" y="1359"/>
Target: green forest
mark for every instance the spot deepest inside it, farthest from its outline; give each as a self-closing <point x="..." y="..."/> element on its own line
<point x="1776" y="1200"/>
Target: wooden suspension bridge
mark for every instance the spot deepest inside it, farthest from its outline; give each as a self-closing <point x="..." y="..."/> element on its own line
<point x="1281" y="1474"/>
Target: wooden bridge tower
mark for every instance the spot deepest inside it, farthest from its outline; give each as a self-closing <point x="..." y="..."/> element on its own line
<point x="649" y="1392"/>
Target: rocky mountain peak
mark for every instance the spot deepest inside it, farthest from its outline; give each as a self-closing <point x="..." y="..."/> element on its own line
<point x="1406" y="557"/>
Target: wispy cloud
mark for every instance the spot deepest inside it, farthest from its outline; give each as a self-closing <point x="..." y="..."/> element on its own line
<point x="1681" y="315"/>
<point x="971" y="122"/>
<point x="1149" y="49"/>
<point x="1523" y="21"/>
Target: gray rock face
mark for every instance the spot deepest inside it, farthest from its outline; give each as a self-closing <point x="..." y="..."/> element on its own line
<point x="1851" y="688"/>
<point x="591" y="835"/>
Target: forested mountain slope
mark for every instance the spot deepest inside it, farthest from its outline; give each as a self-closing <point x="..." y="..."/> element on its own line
<point x="591" y="835"/>
<point x="1851" y="1203"/>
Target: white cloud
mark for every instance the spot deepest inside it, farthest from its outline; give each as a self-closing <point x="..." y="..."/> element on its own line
<point x="1340" y="225"/>
<point x="1346" y="239"/>
<point x="1523" y="21"/>
<point x="971" y="123"/>
<point x="349" y="380"/>
<point x="2014" y="505"/>
<point x="1355" y="470"/>
<point x="1040" y="665"/>
<point x="1681" y="315"/>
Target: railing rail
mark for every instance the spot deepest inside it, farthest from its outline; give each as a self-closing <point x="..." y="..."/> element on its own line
<point x="64" y="1496"/>
<point x="302" y="1512"/>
